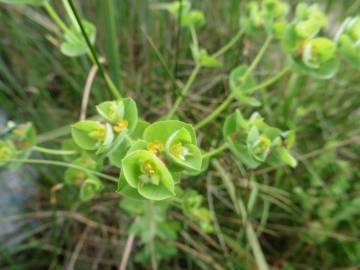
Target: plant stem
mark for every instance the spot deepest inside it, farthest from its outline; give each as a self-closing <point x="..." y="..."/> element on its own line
<point x="227" y="46"/>
<point x="152" y="230"/>
<point x="111" y="44"/>
<point x="64" y="164"/>
<point x="107" y="79"/>
<point x="215" y="113"/>
<point x="215" y="151"/>
<point x="184" y="91"/>
<point x="53" y="151"/>
<point x="52" y="13"/>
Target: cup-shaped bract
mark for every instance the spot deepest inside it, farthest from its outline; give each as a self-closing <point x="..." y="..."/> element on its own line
<point x="318" y="58"/>
<point x="121" y="114"/>
<point x="348" y="40"/>
<point x="147" y="174"/>
<point x="90" y="187"/>
<point x="181" y="150"/>
<point x="7" y="151"/>
<point x="255" y="142"/>
<point x="91" y="135"/>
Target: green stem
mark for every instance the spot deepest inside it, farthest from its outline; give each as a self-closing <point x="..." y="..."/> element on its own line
<point x="152" y="229"/>
<point x="215" y="113"/>
<point x="230" y="44"/>
<point x="109" y="8"/>
<point x="52" y="13"/>
<point x="215" y="151"/>
<point x="107" y="79"/>
<point x="53" y="151"/>
<point x="64" y="164"/>
<point x="258" y="57"/>
<point x="194" y="37"/>
<point x="184" y="91"/>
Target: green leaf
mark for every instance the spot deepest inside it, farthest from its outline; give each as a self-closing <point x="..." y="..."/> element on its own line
<point x="74" y="43"/>
<point x="203" y="59"/>
<point x="90" y="188"/>
<point x="24" y="2"/>
<point x="162" y="130"/>
<point x="148" y="174"/>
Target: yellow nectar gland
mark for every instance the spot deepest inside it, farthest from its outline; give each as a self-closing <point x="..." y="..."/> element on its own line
<point x="263" y="144"/>
<point x="156" y="147"/>
<point x="19" y="131"/>
<point x="79" y="178"/>
<point x="120" y="125"/>
<point x="98" y="134"/>
<point x="148" y="167"/>
<point x="178" y="150"/>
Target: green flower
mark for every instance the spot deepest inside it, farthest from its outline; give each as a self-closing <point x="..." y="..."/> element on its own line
<point x="91" y="135"/>
<point x="90" y="187"/>
<point x="146" y="173"/>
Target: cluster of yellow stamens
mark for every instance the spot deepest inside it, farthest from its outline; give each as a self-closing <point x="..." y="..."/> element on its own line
<point x="156" y="147"/>
<point x="178" y="150"/>
<point x="120" y="125"/>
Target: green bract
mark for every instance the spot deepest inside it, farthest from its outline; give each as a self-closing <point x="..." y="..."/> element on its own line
<point x="7" y="151"/>
<point x="90" y="188"/>
<point x="24" y="2"/>
<point x="91" y="135"/>
<point x="318" y="58"/>
<point x="240" y="87"/>
<point x="348" y="40"/>
<point x="143" y="171"/>
<point x="254" y="142"/>
<point x="121" y="114"/>
<point x="74" y="44"/>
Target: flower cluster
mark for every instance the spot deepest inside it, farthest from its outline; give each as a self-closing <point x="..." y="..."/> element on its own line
<point x="270" y="15"/>
<point x="151" y="156"/>
<point x="16" y="142"/>
<point x="255" y="142"/>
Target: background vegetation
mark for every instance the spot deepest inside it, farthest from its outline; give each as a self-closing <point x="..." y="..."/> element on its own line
<point x="304" y="218"/>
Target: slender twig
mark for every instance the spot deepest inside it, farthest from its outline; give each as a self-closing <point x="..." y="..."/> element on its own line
<point x="106" y="77"/>
<point x="152" y="229"/>
<point x="63" y="164"/>
<point x="87" y="89"/>
<point x="230" y="44"/>
<point x="127" y="250"/>
<point x="215" y="151"/>
<point x="52" y="13"/>
<point x="77" y="249"/>
<point x="53" y="151"/>
<point x="184" y="91"/>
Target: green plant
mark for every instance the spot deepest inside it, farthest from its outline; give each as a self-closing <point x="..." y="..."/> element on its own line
<point x="154" y="157"/>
